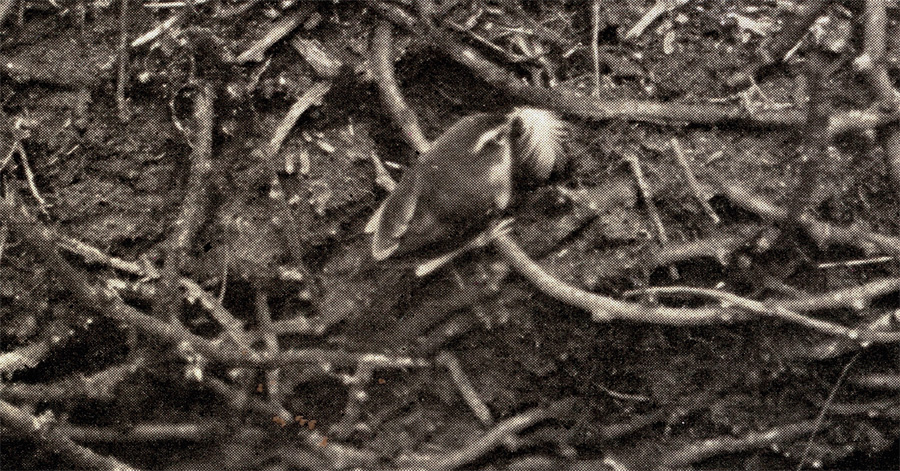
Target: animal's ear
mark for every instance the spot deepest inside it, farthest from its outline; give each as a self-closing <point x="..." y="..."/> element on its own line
<point x="391" y="221"/>
<point x="537" y="140"/>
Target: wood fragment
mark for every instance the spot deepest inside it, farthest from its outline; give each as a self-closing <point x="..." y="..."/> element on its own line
<point x="276" y="32"/>
<point x="701" y="195"/>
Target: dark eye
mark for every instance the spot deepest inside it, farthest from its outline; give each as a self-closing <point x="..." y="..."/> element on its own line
<point x="517" y="129"/>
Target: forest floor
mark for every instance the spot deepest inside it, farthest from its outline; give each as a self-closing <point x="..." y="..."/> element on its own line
<point x="185" y="280"/>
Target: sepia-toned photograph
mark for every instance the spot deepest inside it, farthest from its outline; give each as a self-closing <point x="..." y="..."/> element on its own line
<point x="440" y="235"/>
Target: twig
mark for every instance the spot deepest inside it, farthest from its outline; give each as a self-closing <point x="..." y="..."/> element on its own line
<point x="175" y="4"/>
<point x="886" y="409"/>
<point x="149" y="432"/>
<point x="277" y="30"/>
<point x="391" y="97"/>
<point x="106" y="302"/>
<point x="595" y="46"/>
<point x="822" y="232"/>
<point x="233" y="327"/>
<point x="861" y="121"/>
<point x="159" y="29"/>
<point x="603" y="308"/>
<point x="820" y="417"/>
<point x="468" y="392"/>
<point x="872" y="64"/>
<point x="101" y="386"/>
<point x="227" y="11"/>
<point x="808" y="194"/>
<point x="720" y="247"/>
<point x="356" y="396"/>
<point x="281" y="207"/>
<point x="122" y="70"/>
<point x="91" y="254"/>
<point x="431" y="313"/>
<point x="636" y="422"/>
<point x="41" y="239"/>
<point x="264" y="322"/>
<point x="193" y="208"/>
<point x="18" y="148"/>
<point x="504" y="432"/>
<point x="298" y="325"/>
<point x="856" y="297"/>
<point x="710" y="447"/>
<point x="324" y="63"/>
<point x="54" y="336"/>
<point x="658" y="8"/>
<point x="511" y="57"/>
<point x="835" y="347"/>
<point x="856" y="263"/>
<point x="311" y="97"/>
<point x="701" y="195"/>
<point x="775" y="309"/>
<point x="382" y="177"/>
<point x="42" y="430"/>
<point x="341" y="456"/>
<point x="885" y="381"/>
<point x="647" y="196"/>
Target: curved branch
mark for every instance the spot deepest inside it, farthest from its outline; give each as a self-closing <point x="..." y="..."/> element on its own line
<point x="391" y="97"/>
<point x="603" y="308"/>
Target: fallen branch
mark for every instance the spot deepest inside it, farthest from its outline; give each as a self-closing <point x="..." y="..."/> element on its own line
<point x="872" y="64"/>
<point x="340" y="456"/>
<point x="100" y="386"/>
<point x="277" y="30"/>
<point x="55" y="335"/>
<point x="106" y="302"/>
<point x="391" y="97"/>
<point x="603" y="308"/>
<point x="775" y="309"/>
<point x="823" y="233"/>
<point x="43" y="432"/>
<point x="193" y="208"/>
<point x="505" y="432"/>
<point x="727" y="444"/>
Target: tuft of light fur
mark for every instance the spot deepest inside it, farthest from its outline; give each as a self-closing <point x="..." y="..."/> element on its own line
<point x="541" y="139"/>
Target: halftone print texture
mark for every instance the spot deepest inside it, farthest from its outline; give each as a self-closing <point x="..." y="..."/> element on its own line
<point x="449" y="235"/>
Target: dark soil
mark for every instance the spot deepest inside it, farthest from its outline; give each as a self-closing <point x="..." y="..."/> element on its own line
<point x="293" y="270"/>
